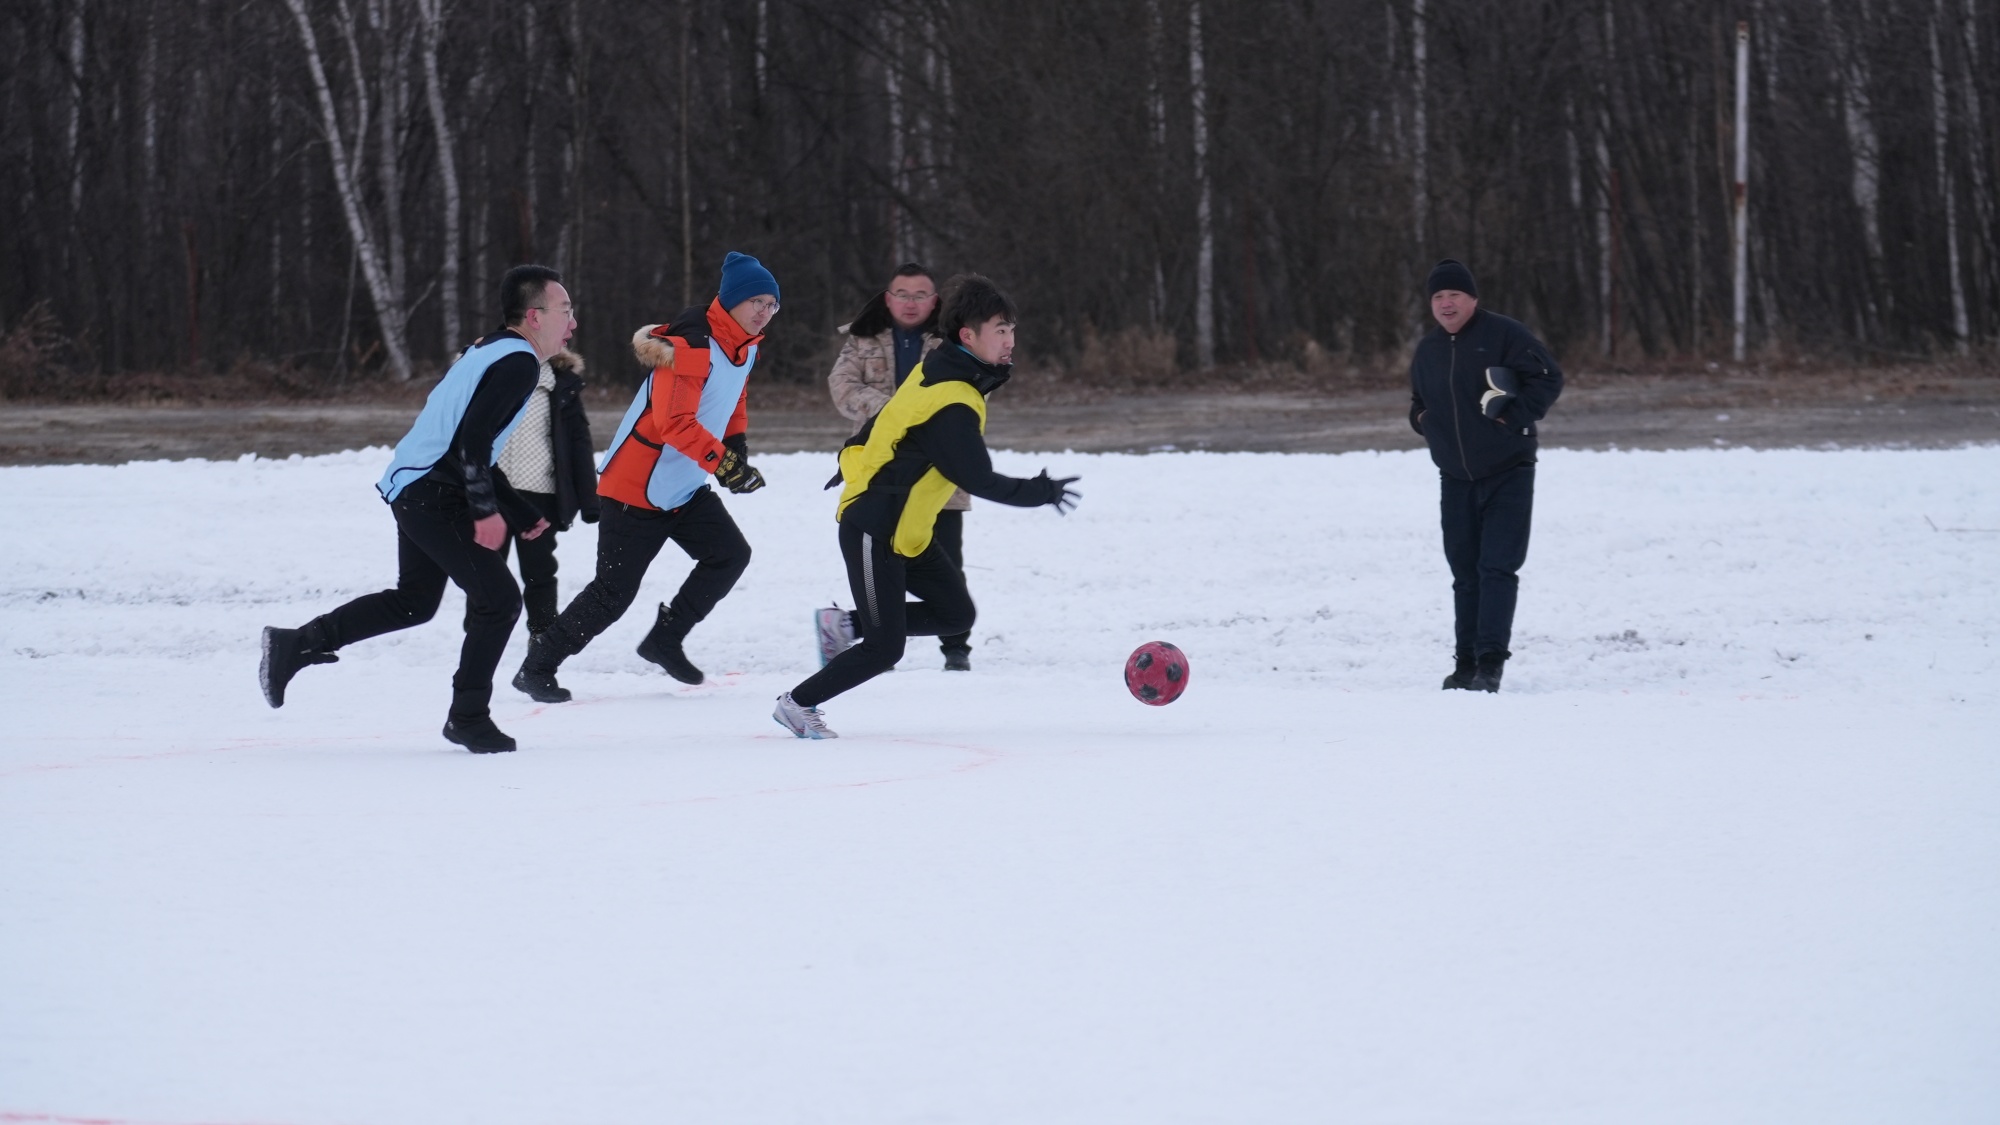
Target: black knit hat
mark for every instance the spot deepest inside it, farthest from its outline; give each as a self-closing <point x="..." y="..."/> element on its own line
<point x="1450" y="274"/>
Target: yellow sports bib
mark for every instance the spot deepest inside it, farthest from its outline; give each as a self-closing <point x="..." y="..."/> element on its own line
<point x="911" y="406"/>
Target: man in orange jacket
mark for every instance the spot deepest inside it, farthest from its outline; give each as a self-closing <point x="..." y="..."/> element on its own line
<point x="654" y="482"/>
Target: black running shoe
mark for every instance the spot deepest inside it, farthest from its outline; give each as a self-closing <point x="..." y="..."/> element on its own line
<point x="1461" y="676"/>
<point x="958" y="660"/>
<point x="284" y="655"/>
<point x="478" y="735"/>
<point x="540" y="687"/>
<point x="1487" y="678"/>
<point x="537" y="677"/>
<point x="662" y="646"/>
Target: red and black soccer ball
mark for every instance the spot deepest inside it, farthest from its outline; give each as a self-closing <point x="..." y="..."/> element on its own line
<point x="1156" y="673"/>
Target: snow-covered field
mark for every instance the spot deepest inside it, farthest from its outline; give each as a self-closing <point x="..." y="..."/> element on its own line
<point x="1727" y="849"/>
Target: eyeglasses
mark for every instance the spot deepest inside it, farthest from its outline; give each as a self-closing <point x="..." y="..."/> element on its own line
<point x="570" y="311"/>
<point x="909" y="298"/>
<point x="763" y="304"/>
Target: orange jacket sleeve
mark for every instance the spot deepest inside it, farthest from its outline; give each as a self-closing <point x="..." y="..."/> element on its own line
<point x="739" y="422"/>
<point x="674" y="408"/>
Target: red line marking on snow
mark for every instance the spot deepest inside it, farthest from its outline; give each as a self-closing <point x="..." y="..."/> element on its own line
<point x="63" y="1119"/>
<point x="210" y="748"/>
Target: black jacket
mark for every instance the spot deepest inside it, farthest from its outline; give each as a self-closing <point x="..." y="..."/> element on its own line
<point x="949" y="440"/>
<point x="569" y="435"/>
<point x="1447" y="379"/>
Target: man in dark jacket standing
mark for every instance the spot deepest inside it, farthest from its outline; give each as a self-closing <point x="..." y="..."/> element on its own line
<point x="453" y="513"/>
<point x="1479" y="383"/>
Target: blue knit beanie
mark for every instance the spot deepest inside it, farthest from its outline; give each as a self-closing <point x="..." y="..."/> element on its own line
<point x="1450" y="274"/>
<point x="744" y="277"/>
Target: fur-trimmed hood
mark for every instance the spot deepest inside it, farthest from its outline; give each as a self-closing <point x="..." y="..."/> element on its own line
<point x="566" y="360"/>
<point x="654" y="347"/>
<point x="652" y="350"/>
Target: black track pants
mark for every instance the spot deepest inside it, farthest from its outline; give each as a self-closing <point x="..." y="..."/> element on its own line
<point x="538" y="566"/>
<point x="628" y="539"/>
<point x="434" y="543"/>
<point x="1486" y="540"/>
<point x="880" y="578"/>
<point x="949" y="536"/>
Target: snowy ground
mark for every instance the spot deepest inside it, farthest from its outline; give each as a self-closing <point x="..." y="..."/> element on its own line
<point x="1724" y="851"/>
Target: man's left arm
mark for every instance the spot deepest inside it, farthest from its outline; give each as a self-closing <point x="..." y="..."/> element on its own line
<point x="1540" y="379"/>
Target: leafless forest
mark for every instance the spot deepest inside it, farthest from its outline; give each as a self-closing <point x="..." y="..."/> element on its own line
<point x="334" y="186"/>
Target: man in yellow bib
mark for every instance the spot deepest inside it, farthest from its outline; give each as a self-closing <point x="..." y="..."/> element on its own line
<point x="925" y="443"/>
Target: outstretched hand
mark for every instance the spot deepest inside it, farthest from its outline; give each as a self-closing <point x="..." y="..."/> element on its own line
<point x="1062" y="497"/>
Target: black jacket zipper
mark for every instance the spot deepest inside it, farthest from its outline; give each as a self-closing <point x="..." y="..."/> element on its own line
<point x="1451" y="391"/>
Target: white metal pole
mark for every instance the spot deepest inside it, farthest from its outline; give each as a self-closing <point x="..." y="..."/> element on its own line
<point x="1740" y="195"/>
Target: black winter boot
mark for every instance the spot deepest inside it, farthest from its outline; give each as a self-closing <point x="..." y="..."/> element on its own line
<point x="1462" y="671"/>
<point x="537" y="677"/>
<point x="285" y="652"/>
<point x="1487" y="677"/>
<point x="478" y="735"/>
<point x="662" y="646"/>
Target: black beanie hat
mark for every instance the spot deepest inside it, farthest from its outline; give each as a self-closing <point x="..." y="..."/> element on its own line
<point x="1450" y="274"/>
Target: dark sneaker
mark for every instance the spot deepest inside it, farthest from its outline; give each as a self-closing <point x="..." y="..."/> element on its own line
<point x="284" y="654"/>
<point x="537" y="677"/>
<point x="662" y="646"/>
<point x="478" y="735"/>
<point x="1487" y="677"/>
<point x="1461" y="676"/>
<point x="958" y="660"/>
<point x="540" y="686"/>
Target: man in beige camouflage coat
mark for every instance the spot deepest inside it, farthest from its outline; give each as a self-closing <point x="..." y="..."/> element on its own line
<point x="894" y="332"/>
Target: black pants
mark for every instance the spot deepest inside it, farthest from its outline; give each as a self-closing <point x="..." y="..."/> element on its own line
<point x="879" y="578"/>
<point x="628" y="539"/>
<point x="1486" y="541"/>
<point x="538" y="565"/>
<point x="434" y="542"/>
<point x="948" y="534"/>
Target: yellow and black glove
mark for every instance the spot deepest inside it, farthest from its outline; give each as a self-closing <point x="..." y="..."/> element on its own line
<point x="736" y="473"/>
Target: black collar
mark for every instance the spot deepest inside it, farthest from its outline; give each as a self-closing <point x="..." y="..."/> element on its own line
<point x="952" y="363"/>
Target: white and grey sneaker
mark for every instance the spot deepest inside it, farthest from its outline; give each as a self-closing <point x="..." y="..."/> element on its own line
<point x="834" y="628"/>
<point x="803" y="722"/>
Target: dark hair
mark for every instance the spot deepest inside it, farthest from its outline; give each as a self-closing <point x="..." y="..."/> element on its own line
<point x="521" y="288"/>
<point x="970" y="300"/>
<point x="874" y="318"/>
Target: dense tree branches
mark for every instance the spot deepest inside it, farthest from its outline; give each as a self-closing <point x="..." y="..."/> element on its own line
<point x="339" y="182"/>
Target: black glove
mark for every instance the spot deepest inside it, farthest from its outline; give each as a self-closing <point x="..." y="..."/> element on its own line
<point x="588" y="515"/>
<point x="1061" y="496"/>
<point x="735" y="473"/>
<point x="1501" y="387"/>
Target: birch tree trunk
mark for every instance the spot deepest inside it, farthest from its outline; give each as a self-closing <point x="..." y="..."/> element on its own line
<point x="390" y="314"/>
<point x="1864" y="145"/>
<point x="1976" y="154"/>
<point x="74" y="134"/>
<point x="1204" y="208"/>
<point x="1961" y="328"/>
<point x="1156" y="121"/>
<point x="431" y="14"/>
<point x="1420" y="141"/>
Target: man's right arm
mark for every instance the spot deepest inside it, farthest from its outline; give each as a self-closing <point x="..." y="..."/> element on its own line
<point x="951" y="441"/>
<point x="852" y="396"/>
